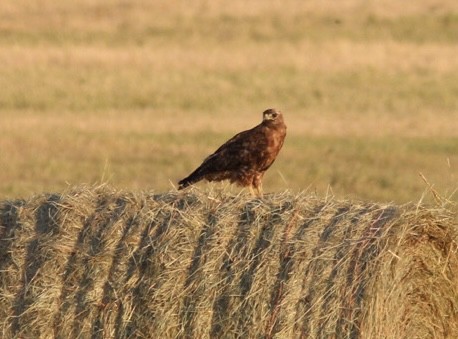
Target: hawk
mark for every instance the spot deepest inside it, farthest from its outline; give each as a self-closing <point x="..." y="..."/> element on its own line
<point x="244" y="158"/>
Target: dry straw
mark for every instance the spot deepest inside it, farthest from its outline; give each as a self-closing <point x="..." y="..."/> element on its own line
<point x="99" y="263"/>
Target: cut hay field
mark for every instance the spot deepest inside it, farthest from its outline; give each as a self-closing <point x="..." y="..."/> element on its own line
<point x="136" y="93"/>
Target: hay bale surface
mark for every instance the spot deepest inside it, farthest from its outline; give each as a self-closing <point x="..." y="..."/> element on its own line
<point x="99" y="263"/>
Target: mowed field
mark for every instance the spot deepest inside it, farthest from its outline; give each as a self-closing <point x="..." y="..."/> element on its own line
<point x="137" y="93"/>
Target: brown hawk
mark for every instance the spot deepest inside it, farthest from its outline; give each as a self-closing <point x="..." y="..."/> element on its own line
<point x="244" y="158"/>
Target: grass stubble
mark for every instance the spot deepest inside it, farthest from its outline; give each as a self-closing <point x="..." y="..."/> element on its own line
<point x="136" y="93"/>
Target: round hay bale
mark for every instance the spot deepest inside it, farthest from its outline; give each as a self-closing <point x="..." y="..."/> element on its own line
<point x="99" y="263"/>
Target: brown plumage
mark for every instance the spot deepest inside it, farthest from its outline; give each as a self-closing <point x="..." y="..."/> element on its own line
<point x="244" y="158"/>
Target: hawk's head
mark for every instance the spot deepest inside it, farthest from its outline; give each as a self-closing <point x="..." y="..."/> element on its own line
<point x="272" y="115"/>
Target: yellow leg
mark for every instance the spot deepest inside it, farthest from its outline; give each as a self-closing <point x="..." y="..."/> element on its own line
<point x="257" y="183"/>
<point x="252" y="191"/>
<point x="259" y="190"/>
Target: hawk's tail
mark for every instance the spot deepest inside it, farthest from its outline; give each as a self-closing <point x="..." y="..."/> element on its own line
<point x="189" y="180"/>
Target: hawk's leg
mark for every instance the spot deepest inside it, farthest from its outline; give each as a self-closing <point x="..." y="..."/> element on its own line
<point x="253" y="194"/>
<point x="257" y="184"/>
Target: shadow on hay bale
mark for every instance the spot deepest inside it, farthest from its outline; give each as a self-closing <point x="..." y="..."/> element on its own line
<point x="99" y="263"/>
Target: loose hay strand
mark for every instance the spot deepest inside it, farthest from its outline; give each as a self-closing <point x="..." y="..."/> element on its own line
<point x="97" y="262"/>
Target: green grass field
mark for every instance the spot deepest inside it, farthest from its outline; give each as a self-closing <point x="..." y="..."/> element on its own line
<point x="137" y="93"/>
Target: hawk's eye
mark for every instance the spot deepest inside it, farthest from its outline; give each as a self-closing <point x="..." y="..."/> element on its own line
<point x="274" y="115"/>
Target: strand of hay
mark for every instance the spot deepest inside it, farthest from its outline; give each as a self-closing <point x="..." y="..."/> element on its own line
<point x="99" y="263"/>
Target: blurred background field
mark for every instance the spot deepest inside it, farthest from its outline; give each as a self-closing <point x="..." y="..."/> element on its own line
<point x="137" y="93"/>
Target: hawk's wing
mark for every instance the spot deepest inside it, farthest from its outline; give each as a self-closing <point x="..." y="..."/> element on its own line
<point x="242" y="151"/>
